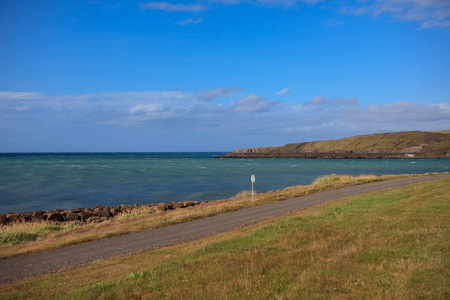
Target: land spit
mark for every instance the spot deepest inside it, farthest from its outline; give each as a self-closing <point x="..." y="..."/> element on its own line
<point x="97" y="214"/>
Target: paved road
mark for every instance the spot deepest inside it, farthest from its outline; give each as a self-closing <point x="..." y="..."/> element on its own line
<point x="39" y="263"/>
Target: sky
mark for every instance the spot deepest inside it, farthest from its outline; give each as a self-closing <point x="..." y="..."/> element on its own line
<point x="218" y="75"/>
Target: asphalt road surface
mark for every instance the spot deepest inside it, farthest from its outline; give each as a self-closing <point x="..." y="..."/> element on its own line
<point x="34" y="264"/>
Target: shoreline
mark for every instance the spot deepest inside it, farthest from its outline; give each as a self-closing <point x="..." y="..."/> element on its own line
<point x="329" y="155"/>
<point x="96" y="214"/>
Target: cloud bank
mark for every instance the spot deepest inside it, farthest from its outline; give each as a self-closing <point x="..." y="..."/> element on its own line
<point x="230" y="112"/>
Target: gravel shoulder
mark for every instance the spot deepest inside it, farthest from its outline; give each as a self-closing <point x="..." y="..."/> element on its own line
<point x="39" y="263"/>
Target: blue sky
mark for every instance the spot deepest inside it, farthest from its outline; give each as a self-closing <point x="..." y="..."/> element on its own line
<point x="218" y="75"/>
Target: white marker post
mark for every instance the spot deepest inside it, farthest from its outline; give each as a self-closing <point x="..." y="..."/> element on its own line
<point x="253" y="181"/>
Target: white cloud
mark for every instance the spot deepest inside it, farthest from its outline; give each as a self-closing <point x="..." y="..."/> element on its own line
<point x="336" y="117"/>
<point x="283" y="91"/>
<point x="218" y="92"/>
<point x="429" y="13"/>
<point x="189" y="22"/>
<point x="431" y="24"/>
<point x="267" y="3"/>
<point x="252" y="103"/>
<point x="19" y="95"/>
<point x="319" y="100"/>
<point x="403" y="111"/>
<point x="19" y="101"/>
<point x="166" y="6"/>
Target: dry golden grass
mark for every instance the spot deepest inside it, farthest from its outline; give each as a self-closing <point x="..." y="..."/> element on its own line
<point x="145" y="218"/>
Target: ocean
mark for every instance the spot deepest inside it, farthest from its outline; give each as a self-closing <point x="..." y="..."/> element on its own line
<point x="44" y="181"/>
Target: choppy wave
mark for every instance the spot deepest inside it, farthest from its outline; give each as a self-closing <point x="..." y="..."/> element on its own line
<point x="47" y="181"/>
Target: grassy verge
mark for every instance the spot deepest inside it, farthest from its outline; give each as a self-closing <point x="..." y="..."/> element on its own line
<point x="25" y="238"/>
<point x="392" y="245"/>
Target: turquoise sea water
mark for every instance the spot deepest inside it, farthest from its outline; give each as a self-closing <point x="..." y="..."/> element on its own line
<point x="31" y="182"/>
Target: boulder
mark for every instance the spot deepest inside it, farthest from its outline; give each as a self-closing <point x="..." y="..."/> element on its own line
<point x="126" y="208"/>
<point x="71" y="216"/>
<point x="3" y="219"/>
<point x="38" y="215"/>
<point x="55" y="217"/>
<point x="102" y="212"/>
<point x="26" y="216"/>
<point x="84" y="215"/>
<point x="165" y="206"/>
<point x="188" y="203"/>
<point x="176" y="204"/>
<point x="12" y="217"/>
<point x="93" y="219"/>
<point x="114" y="211"/>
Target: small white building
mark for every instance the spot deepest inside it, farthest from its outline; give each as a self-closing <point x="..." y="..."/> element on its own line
<point x="409" y="155"/>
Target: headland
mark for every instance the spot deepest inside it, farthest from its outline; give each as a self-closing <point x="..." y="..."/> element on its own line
<point x="408" y="144"/>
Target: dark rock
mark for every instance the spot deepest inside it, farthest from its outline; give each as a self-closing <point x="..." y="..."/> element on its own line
<point x="3" y="219"/>
<point x="165" y="206"/>
<point x="12" y="217"/>
<point x="93" y="219"/>
<point x="126" y="208"/>
<point x="96" y="214"/>
<point x="103" y="213"/>
<point x="55" y="217"/>
<point x="71" y="216"/>
<point x="38" y="215"/>
<point x="188" y="203"/>
<point x="114" y="211"/>
<point x="85" y="215"/>
<point x="26" y="216"/>
<point x="176" y="204"/>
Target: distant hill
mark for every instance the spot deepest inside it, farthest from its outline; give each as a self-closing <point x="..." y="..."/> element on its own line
<point x="424" y="144"/>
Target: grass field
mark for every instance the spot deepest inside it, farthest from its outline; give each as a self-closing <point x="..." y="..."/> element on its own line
<point x="385" y="245"/>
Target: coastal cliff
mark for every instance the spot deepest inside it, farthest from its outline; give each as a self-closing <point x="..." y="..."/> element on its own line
<point x="409" y="144"/>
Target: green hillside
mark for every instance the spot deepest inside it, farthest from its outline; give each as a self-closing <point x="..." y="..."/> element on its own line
<point x="423" y="143"/>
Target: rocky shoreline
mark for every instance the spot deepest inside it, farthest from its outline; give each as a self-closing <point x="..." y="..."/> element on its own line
<point x="98" y="213"/>
<point x="322" y="155"/>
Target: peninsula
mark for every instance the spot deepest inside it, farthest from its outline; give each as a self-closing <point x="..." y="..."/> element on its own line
<point x="407" y="144"/>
